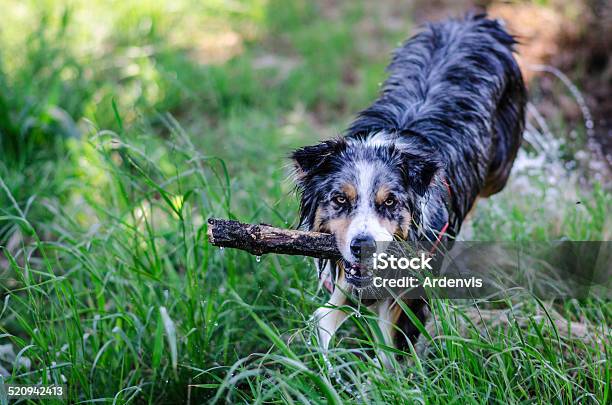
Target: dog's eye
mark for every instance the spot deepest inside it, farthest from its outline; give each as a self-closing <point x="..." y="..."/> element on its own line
<point x="390" y="202"/>
<point x="339" y="199"/>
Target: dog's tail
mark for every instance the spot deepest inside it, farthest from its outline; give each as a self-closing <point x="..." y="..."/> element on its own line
<point x="509" y="117"/>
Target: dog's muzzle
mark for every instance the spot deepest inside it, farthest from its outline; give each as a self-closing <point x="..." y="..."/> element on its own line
<point x="357" y="274"/>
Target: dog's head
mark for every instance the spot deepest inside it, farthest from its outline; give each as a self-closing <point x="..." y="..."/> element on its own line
<point x="363" y="191"/>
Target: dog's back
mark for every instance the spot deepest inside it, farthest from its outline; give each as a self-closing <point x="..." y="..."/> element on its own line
<point x="457" y="86"/>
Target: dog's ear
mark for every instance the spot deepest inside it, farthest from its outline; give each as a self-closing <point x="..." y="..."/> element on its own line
<point x="419" y="171"/>
<point x="309" y="159"/>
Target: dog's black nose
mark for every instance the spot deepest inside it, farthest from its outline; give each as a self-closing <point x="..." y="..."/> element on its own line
<point x="362" y="244"/>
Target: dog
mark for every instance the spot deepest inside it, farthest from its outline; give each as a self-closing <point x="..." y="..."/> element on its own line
<point x="444" y="131"/>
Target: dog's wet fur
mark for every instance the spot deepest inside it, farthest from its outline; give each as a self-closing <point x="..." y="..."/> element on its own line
<point x="444" y="131"/>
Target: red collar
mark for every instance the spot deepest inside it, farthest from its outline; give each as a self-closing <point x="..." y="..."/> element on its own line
<point x="445" y="227"/>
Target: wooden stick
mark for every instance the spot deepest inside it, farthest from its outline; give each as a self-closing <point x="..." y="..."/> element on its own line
<point x="261" y="239"/>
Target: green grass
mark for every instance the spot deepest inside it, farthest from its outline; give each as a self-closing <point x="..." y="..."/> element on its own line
<point x="107" y="281"/>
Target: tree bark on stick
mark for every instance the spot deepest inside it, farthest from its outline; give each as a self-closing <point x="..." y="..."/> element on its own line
<point x="262" y="239"/>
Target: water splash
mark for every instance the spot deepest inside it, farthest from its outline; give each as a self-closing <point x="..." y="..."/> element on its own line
<point x="358" y="309"/>
<point x="584" y="109"/>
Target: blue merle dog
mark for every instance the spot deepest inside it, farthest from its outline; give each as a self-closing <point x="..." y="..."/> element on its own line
<point x="444" y="131"/>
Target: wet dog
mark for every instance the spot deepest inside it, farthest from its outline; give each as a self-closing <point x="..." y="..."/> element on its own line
<point x="444" y="131"/>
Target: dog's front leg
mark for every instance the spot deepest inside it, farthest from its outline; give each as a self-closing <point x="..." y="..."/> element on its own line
<point x="329" y="318"/>
<point x="388" y="314"/>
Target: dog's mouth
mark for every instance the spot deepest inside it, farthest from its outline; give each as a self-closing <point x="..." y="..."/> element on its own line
<point x="357" y="274"/>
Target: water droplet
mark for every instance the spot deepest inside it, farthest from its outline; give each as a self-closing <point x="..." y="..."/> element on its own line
<point x="257" y="259"/>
